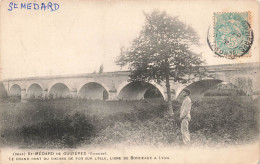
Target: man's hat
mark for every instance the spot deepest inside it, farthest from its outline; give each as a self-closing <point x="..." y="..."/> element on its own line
<point x="186" y="90"/>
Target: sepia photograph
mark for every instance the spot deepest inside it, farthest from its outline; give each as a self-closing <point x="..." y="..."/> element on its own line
<point x="128" y="81"/>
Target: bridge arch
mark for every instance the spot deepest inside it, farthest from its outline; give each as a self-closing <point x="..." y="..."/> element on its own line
<point x="139" y="90"/>
<point x="59" y="90"/>
<point x="15" y="91"/>
<point x="34" y="91"/>
<point x="198" y="88"/>
<point x="93" y="90"/>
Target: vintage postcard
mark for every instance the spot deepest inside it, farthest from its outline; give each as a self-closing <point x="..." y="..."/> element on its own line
<point x="129" y="81"/>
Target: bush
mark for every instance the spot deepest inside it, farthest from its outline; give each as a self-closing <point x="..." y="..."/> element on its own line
<point x="214" y="122"/>
<point x="225" y="121"/>
<point x="72" y="123"/>
<point x="225" y="92"/>
<point x="67" y="131"/>
<point x="154" y="132"/>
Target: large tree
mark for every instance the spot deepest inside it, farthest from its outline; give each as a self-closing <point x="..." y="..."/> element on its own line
<point x="162" y="52"/>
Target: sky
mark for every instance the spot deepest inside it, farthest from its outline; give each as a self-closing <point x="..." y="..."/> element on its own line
<point x="81" y="35"/>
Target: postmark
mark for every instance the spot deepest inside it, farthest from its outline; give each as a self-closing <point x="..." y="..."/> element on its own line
<point x="232" y="34"/>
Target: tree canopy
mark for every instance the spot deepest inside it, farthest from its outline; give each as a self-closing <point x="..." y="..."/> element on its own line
<point x="162" y="49"/>
<point x="162" y="52"/>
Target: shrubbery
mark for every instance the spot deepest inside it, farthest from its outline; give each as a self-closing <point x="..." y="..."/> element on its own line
<point x="39" y="124"/>
<point x="214" y="122"/>
<point x="142" y="126"/>
<point x="68" y="131"/>
<point x="73" y="123"/>
<point x="231" y="120"/>
<point x="226" y="92"/>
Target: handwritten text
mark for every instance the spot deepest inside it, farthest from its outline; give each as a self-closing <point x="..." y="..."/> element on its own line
<point x="34" y="6"/>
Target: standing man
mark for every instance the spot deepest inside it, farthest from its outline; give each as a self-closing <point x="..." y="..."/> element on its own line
<point x="185" y="115"/>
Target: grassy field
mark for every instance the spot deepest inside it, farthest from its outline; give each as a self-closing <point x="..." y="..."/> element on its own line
<point x="81" y="123"/>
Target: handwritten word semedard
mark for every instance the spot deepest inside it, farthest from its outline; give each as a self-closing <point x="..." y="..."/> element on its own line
<point x="34" y="6"/>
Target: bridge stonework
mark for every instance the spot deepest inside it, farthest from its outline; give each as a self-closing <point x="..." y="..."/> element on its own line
<point x="115" y="85"/>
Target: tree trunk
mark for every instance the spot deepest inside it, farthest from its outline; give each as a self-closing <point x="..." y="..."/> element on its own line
<point x="169" y="99"/>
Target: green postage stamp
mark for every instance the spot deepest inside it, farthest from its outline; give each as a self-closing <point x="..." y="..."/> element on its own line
<point x="233" y="35"/>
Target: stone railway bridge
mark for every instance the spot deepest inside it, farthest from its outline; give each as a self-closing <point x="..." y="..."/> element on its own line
<point x="115" y="85"/>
